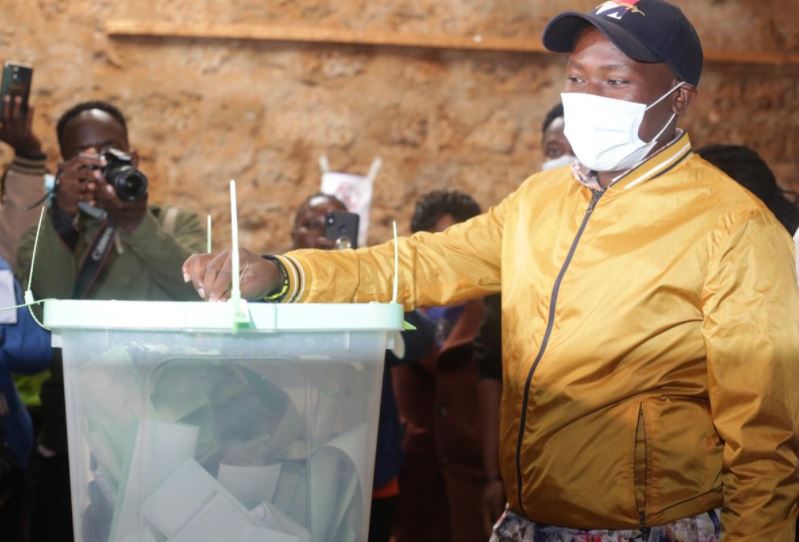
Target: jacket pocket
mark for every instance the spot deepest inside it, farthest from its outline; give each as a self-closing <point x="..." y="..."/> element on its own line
<point x="640" y="466"/>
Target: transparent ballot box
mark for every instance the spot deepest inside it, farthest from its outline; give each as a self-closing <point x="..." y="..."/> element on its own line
<point x="181" y="430"/>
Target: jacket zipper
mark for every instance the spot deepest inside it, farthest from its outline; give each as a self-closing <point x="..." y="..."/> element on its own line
<point x="553" y="299"/>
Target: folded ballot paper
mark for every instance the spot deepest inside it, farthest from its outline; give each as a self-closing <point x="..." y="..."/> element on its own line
<point x="231" y="463"/>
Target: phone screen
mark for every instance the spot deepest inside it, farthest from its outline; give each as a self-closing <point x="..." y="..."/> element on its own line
<point x="17" y="79"/>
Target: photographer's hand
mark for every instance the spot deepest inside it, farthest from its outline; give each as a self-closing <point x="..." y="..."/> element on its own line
<point x="124" y="214"/>
<point x="16" y="128"/>
<point x="77" y="180"/>
<point x="211" y="275"/>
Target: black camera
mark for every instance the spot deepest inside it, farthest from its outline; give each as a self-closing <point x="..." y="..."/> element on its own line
<point x="129" y="183"/>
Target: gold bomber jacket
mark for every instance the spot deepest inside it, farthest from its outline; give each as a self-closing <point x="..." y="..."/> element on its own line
<point x="650" y="342"/>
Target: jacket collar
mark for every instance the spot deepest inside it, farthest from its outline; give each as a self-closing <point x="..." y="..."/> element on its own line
<point x="651" y="167"/>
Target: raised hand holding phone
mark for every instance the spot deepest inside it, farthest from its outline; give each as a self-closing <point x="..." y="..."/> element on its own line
<point x="16" y="123"/>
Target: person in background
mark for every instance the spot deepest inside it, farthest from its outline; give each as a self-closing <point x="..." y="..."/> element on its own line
<point x="441" y="478"/>
<point x="556" y="148"/>
<point x="745" y="166"/>
<point x="309" y="232"/>
<point x="488" y="344"/>
<point x="24" y="349"/>
<point x="309" y="226"/>
<point x="22" y="185"/>
<point x="94" y="245"/>
<point x="21" y="196"/>
<point x="650" y="312"/>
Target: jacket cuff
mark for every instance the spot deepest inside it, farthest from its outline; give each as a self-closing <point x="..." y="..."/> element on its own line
<point x="30" y="165"/>
<point x="296" y="278"/>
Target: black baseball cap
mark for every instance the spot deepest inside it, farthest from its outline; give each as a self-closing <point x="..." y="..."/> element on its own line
<point x="644" y="30"/>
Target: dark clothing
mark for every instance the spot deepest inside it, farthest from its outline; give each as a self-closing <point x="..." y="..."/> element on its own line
<point x="381" y="519"/>
<point x="389" y="430"/>
<point x="441" y="480"/>
<point x="52" y="507"/>
<point x="488" y="343"/>
<point x="388" y="457"/>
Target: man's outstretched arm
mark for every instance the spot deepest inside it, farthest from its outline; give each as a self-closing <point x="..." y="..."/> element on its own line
<point x="434" y="269"/>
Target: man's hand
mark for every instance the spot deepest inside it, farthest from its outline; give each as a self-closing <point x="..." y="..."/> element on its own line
<point x="77" y="180"/>
<point x="16" y="128"/>
<point x="211" y="275"/>
<point x="493" y="504"/>
<point x="126" y="214"/>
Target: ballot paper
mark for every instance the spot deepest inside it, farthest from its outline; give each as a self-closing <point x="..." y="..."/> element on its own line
<point x="267" y="515"/>
<point x="192" y="506"/>
<point x="262" y="534"/>
<point x="251" y="485"/>
<point x="158" y="450"/>
<point x="338" y="481"/>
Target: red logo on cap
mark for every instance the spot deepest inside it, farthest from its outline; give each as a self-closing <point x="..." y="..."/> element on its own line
<point x="618" y="9"/>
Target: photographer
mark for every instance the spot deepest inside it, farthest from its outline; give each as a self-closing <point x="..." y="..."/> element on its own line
<point x="136" y="249"/>
<point x="99" y="240"/>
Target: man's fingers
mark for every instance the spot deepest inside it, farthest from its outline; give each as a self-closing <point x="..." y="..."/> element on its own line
<point x="217" y="271"/>
<point x="193" y="269"/>
<point x="221" y="284"/>
<point x="86" y="162"/>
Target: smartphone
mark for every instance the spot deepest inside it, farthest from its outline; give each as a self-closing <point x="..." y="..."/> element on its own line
<point x="16" y="81"/>
<point x="341" y="227"/>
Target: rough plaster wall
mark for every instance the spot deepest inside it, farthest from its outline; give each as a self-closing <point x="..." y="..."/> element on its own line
<point x="202" y="112"/>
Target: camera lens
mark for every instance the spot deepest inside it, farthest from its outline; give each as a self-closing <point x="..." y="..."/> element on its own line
<point x="129" y="184"/>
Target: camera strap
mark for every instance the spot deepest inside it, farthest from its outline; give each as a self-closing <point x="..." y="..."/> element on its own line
<point x="94" y="261"/>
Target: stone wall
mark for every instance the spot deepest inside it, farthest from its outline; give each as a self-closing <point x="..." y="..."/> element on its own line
<point x="204" y="111"/>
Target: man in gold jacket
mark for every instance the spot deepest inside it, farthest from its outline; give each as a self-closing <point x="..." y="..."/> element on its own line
<point x="650" y="309"/>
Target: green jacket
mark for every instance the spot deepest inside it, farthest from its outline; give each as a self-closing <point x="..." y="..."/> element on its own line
<point x="143" y="265"/>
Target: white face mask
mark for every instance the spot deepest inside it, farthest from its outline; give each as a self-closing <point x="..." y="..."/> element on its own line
<point x="560" y="161"/>
<point x="603" y="132"/>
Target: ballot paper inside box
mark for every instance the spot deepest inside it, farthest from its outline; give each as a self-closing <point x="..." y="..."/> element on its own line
<point x="186" y="433"/>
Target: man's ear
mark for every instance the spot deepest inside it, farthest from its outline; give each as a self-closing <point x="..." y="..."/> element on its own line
<point x="683" y="98"/>
<point x="134" y="155"/>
